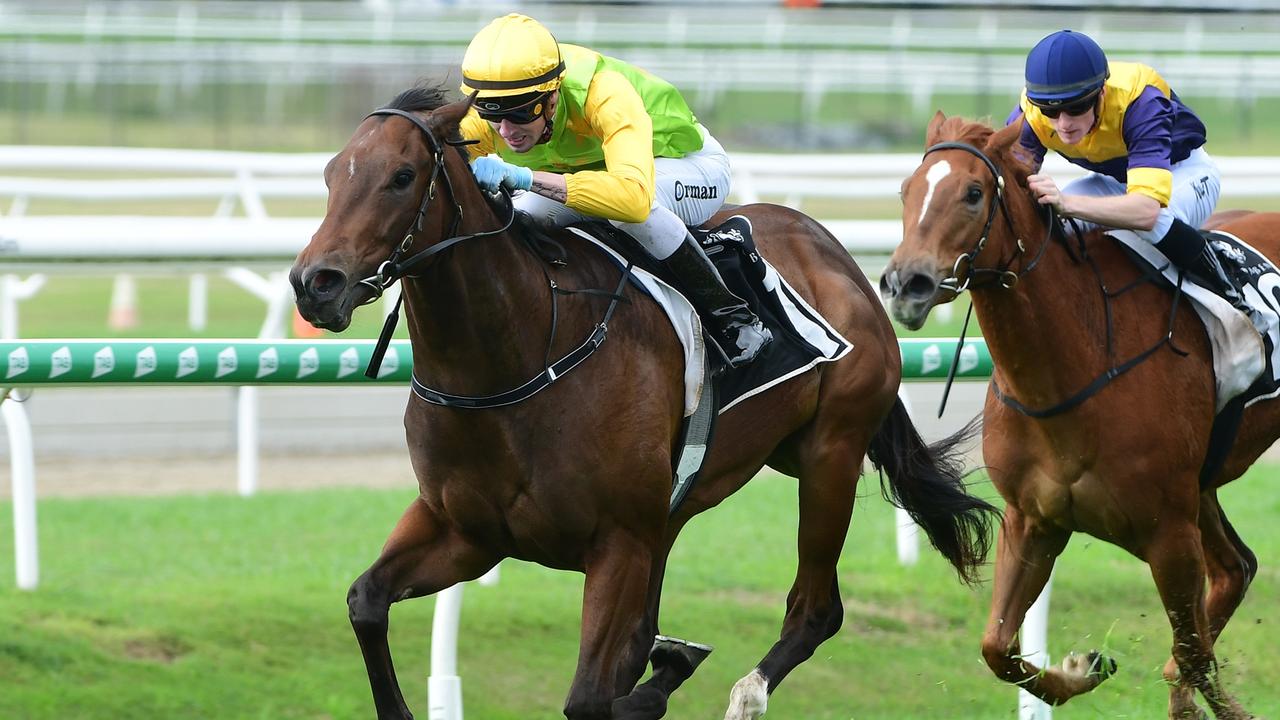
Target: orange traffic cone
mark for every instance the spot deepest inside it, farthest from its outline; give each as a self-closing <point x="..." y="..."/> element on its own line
<point x="303" y="329"/>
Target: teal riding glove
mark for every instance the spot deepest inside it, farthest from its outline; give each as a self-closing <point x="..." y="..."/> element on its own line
<point x="492" y="171"/>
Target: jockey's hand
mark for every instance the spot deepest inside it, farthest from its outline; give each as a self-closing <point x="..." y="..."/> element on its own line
<point x="1046" y="191"/>
<point x="492" y="171"/>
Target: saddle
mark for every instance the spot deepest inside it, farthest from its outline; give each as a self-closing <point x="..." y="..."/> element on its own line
<point x="802" y="338"/>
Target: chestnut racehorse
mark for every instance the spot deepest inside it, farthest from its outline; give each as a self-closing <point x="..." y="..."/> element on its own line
<point x="579" y="476"/>
<point x="1121" y="464"/>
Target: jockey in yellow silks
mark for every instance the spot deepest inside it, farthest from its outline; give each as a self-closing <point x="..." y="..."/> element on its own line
<point x="578" y="134"/>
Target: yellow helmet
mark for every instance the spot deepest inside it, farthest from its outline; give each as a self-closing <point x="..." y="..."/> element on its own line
<point x="513" y="55"/>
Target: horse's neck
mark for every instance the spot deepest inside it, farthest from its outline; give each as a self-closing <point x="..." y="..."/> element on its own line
<point x="478" y="314"/>
<point x="1046" y="335"/>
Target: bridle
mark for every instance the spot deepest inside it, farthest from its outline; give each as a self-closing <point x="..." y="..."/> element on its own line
<point x="964" y="262"/>
<point x="1003" y="275"/>
<point x="1008" y="279"/>
<point x="394" y="268"/>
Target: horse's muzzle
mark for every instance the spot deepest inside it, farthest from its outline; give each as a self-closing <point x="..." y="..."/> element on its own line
<point x="910" y="294"/>
<point x="322" y="296"/>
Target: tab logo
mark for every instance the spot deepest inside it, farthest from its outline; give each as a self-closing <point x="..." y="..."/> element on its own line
<point x="268" y="362"/>
<point x="145" y="363"/>
<point x="390" y="363"/>
<point x="60" y="362"/>
<point x="348" y="362"/>
<point x="930" y="359"/>
<point x="227" y="362"/>
<point x="19" y="362"/>
<point x="188" y="362"/>
<point x="104" y="361"/>
<point x="308" y="362"/>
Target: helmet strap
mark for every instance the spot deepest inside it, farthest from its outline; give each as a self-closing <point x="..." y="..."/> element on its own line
<point x="549" y="114"/>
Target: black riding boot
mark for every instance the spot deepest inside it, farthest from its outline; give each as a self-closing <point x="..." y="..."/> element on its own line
<point x="740" y="334"/>
<point x="1189" y="250"/>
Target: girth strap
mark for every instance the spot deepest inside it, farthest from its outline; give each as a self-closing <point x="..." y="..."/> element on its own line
<point x="537" y="383"/>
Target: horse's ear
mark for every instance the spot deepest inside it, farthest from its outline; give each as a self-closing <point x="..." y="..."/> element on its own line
<point x="1003" y="139"/>
<point x="931" y="134"/>
<point x="450" y="115"/>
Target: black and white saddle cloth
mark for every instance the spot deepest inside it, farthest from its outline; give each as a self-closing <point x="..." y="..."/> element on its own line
<point x="1245" y="360"/>
<point x="802" y="338"/>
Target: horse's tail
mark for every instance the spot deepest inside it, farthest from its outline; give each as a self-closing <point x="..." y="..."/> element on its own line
<point x="928" y="482"/>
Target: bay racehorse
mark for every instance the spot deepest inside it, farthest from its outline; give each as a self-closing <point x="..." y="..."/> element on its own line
<point x="579" y="476"/>
<point x="1122" y="463"/>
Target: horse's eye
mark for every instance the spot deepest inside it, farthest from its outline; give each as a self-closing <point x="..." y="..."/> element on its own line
<point x="974" y="196"/>
<point x="403" y="179"/>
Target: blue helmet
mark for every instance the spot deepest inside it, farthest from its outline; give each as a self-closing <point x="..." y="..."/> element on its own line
<point x="1065" y="68"/>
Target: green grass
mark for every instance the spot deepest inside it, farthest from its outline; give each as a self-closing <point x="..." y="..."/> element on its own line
<point x="77" y="306"/>
<point x="222" y="607"/>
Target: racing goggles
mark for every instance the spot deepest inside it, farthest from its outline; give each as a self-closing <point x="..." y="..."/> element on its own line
<point x="518" y="109"/>
<point x="1074" y="109"/>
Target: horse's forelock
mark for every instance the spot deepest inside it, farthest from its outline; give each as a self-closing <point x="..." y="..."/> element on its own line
<point x="958" y="129"/>
<point x="423" y="96"/>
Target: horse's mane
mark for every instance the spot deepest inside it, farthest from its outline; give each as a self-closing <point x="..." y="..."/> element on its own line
<point x="426" y="95"/>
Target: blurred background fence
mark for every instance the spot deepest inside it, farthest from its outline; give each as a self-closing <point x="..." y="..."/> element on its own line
<point x="850" y="76"/>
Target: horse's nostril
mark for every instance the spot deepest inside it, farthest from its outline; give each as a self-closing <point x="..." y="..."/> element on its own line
<point x="920" y="285"/>
<point x="326" y="283"/>
<point x="886" y="285"/>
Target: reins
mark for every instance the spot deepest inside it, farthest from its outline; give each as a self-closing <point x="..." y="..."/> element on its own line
<point x="1008" y="279"/>
<point x="393" y="269"/>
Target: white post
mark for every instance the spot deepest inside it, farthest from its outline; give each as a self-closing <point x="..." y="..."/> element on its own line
<point x="198" y="303"/>
<point x="444" y="687"/>
<point x="22" y="463"/>
<point x="1035" y="648"/>
<point x="124" y="303"/>
<point x="9" y="306"/>
<point x="247" y="440"/>
<point x="908" y="532"/>
<point x="14" y="290"/>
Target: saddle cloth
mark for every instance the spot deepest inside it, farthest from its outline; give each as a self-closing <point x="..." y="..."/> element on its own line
<point x="1245" y="357"/>
<point x="802" y="338"/>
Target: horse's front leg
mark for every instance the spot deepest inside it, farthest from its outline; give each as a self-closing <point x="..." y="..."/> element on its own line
<point x="1025" y="552"/>
<point x="673" y="660"/>
<point x="422" y="556"/>
<point x="613" y="649"/>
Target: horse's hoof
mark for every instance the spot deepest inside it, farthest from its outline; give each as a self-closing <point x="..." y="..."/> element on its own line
<point x="682" y="656"/>
<point x="749" y="698"/>
<point x="1093" y="667"/>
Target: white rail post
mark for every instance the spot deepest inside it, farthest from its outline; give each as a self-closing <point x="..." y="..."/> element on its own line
<point x="444" y="687"/>
<point x="1035" y="648"/>
<point x="908" y="532"/>
<point x="123" y="314"/>
<point x="247" y="440"/>
<point x="198" y="302"/>
<point x="22" y="463"/>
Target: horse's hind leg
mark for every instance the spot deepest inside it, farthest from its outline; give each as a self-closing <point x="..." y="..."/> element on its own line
<point x="828" y="481"/>
<point x="422" y="556"/>
<point x="1025" y="552"/>
<point x="1231" y="567"/>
